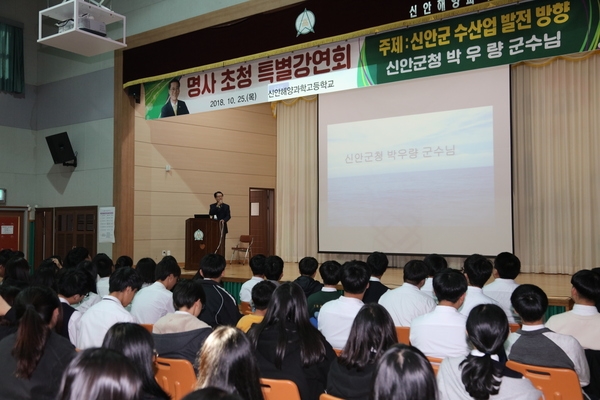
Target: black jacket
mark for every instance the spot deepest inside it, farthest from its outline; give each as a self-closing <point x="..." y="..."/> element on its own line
<point x="220" y="308"/>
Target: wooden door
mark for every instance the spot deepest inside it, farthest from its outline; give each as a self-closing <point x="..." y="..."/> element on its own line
<point x="262" y="220"/>
<point x="10" y="230"/>
<point x="75" y="226"/>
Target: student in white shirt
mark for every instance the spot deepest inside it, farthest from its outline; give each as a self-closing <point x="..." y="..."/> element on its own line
<point x="477" y="270"/>
<point x="583" y="321"/>
<point x="442" y="332"/>
<point x="123" y="285"/>
<point x="435" y="263"/>
<point x="336" y="316"/>
<point x="257" y="265"/>
<point x="507" y="267"/>
<point x="155" y="301"/>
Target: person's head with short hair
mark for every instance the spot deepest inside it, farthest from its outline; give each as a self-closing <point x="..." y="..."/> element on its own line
<point x="9" y="293"/>
<point x="262" y="293"/>
<point x="146" y="267"/>
<point x="174" y="86"/>
<point x="100" y="374"/>
<point x="487" y="329"/>
<point x="5" y="255"/>
<point x="104" y="265"/>
<point x="308" y="266"/>
<point x="75" y="256"/>
<point x="415" y="272"/>
<point x="450" y="286"/>
<point x="73" y="285"/>
<point x="227" y="361"/>
<point x="273" y="268"/>
<point x="167" y="271"/>
<point x="586" y="284"/>
<point x="371" y="334"/>
<point x="17" y="269"/>
<point x="137" y="344"/>
<point x="478" y="269"/>
<point x="435" y="263"/>
<point x="330" y="272"/>
<point x="45" y="275"/>
<point x="124" y="284"/>
<point x="530" y="302"/>
<point x="218" y="195"/>
<point x="123" y="261"/>
<point x="91" y="275"/>
<point x="404" y="373"/>
<point x="355" y="277"/>
<point x="189" y="295"/>
<point x="377" y="263"/>
<point x="507" y="266"/>
<point x="257" y="265"/>
<point x="212" y="266"/>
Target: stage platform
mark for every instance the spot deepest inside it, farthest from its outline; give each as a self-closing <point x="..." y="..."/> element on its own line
<point x="557" y="287"/>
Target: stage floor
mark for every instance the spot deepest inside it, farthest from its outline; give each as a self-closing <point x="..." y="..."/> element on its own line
<point x="557" y="287"/>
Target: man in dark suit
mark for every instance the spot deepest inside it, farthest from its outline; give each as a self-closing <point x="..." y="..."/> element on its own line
<point x="173" y="106"/>
<point x="220" y="210"/>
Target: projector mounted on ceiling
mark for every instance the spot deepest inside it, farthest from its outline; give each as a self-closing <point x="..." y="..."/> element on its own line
<point x="81" y="27"/>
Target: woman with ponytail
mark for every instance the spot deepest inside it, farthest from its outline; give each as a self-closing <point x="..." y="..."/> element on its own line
<point x="34" y="358"/>
<point x="481" y="376"/>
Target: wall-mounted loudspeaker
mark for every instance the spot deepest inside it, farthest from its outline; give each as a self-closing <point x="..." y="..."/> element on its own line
<point x="61" y="150"/>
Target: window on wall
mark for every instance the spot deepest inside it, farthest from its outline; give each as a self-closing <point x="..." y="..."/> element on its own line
<point x="12" y="65"/>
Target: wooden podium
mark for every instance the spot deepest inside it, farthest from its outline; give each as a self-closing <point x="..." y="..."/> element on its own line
<point x="202" y="237"/>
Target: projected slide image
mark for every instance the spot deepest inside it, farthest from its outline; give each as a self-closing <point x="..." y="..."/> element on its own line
<point x="430" y="169"/>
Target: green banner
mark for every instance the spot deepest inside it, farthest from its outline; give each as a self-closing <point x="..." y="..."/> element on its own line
<point x="500" y="36"/>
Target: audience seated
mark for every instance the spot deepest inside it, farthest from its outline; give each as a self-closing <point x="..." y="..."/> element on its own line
<point x="156" y="300"/>
<point x="441" y="333"/>
<point x="261" y="295"/>
<point x="535" y="344"/>
<point x="75" y="256"/>
<point x="16" y="273"/>
<point x="336" y="316"/>
<point x="330" y="273"/>
<point x="308" y="269"/>
<point x="72" y="288"/>
<point x="274" y="269"/>
<point x="91" y="298"/>
<point x="181" y="334"/>
<point x="226" y="361"/>
<point x="34" y="357"/>
<point x="377" y="263"/>
<point x="407" y="302"/>
<point x="123" y="261"/>
<point x="482" y="375"/>
<point x="105" y="268"/>
<point x="100" y="374"/>
<point x="507" y="267"/>
<point x="5" y="255"/>
<point x="404" y="373"/>
<point x="136" y="343"/>
<point x="287" y="346"/>
<point x="372" y="333"/>
<point x="97" y="320"/>
<point x="257" y="266"/>
<point x="220" y="308"/>
<point x="435" y="263"/>
<point x="146" y="267"/>
<point x="583" y="321"/>
<point x="477" y="270"/>
<point x="46" y="274"/>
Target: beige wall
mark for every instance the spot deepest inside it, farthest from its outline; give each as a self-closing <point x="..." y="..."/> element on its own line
<point x="229" y="150"/>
